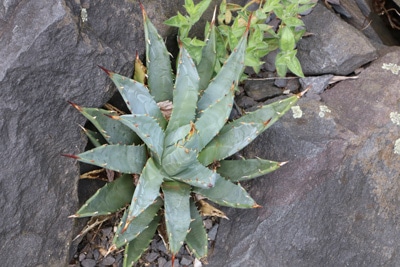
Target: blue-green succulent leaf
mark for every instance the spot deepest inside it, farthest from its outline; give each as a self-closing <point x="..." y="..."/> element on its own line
<point x="148" y="130"/>
<point x="197" y="175"/>
<point x="222" y="83"/>
<point x="213" y="119"/>
<point x="185" y="92"/>
<point x="147" y="190"/>
<point x="120" y="158"/>
<point x="177" y="213"/>
<point x="239" y="133"/>
<point x="209" y="56"/>
<point x="135" y="248"/>
<point x="95" y="137"/>
<point x="226" y="193"/>
<point x="138" y="98"/>
<point x="159" y="69"/>
<point x="246" y="169"/>
<point x="196" y="239"/>
<point x="113" y="131"/>
<point x="139" y="224"/>
<point x="177" y="158"/>
<point x="110" y="198"/>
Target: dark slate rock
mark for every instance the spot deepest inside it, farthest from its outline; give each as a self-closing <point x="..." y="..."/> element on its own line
<point x="48" y="57"/>
<point x="336" y="202"/>
<point x="246" y="102"/>
<point x="335" y="47"/>
<point x="261" y="90"/>
<point x="317" y="84"/>
<point x="373" y="27"/>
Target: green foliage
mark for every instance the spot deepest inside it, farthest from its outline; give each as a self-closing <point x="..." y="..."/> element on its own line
<point x="232" y="22"/>
<point x="179" y="157"/>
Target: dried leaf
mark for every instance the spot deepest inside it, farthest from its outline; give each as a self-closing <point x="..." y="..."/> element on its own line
<point x="112" y="108"/>
<point x="166" y="108"/>
<point x="207" y="209"/>
<point x="99" y="174"/>
<point x="336" y="79"/>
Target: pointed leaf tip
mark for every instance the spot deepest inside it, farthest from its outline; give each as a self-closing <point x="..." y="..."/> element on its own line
<point x="143" y="10"/>
<point x="70" y="156"/>
<point x="248" y="24"/>
<point x="75" y="105"/>
<point x="299" y="95"/>
<point x="73" y="216"/>
<point x="213" y="18"/>
<point x="256" y="206"/>
<point x="111" y="249"/>
<point x="172" y="259"/>
<point x="282" y="163"/>
<point x="108" y="72"/>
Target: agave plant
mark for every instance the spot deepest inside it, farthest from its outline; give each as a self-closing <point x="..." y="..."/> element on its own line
<point x="176" y="158"/>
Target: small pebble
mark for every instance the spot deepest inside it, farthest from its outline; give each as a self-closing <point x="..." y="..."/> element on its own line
<point x="88" y="263"/>
<point x="186" y="260"/>
<point x="96" y="254"/>
<point x="281" y="82"/>
<point x="82" y="256"/>
<point x="161" y="247"/>
<point x="208" y="223"/>
<point x="89" y="255"/>
<point x="152" y="256"/>
<point x="213" y="232"/>
<point x="109" y="260"/>
<point x="197" y="263"/>
<point x="169" y="264"/>
<point x="161" y="261"/>
<point x="106" y="231"/>
<point x="153" y="245"/>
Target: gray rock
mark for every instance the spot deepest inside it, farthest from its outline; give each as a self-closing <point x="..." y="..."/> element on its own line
<point x="261" y="90"/>
<point x="48" y="57"/>
<point x="107" y="261"/>
<point x="335" y="47"/>
<point x="213" y="232"/>
<point x="186" y="260"/>
<point x="152" y="256"/>
<point x="281" y="82"/>
<point x="88" y="263"/>
<point x="246" y="102"/>
<point x="317" y="83"/>
<point x="161" y="262"/>
<point x="336" y="202"/>
<point x="373" y="27"/>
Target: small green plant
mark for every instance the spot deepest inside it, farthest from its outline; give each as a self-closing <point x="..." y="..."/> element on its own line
<point x="263" y="39"/>
<point x="177" y="158"/>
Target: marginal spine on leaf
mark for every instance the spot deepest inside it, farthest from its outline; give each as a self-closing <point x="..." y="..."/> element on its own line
<point x="113" y="117"/>
<point x="265" y="123"/>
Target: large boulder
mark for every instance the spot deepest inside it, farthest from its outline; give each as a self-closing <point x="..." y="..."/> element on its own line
<point x="336" y="202"/>
<point x="49" y="56"/>
<point x="334" y="47"/>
